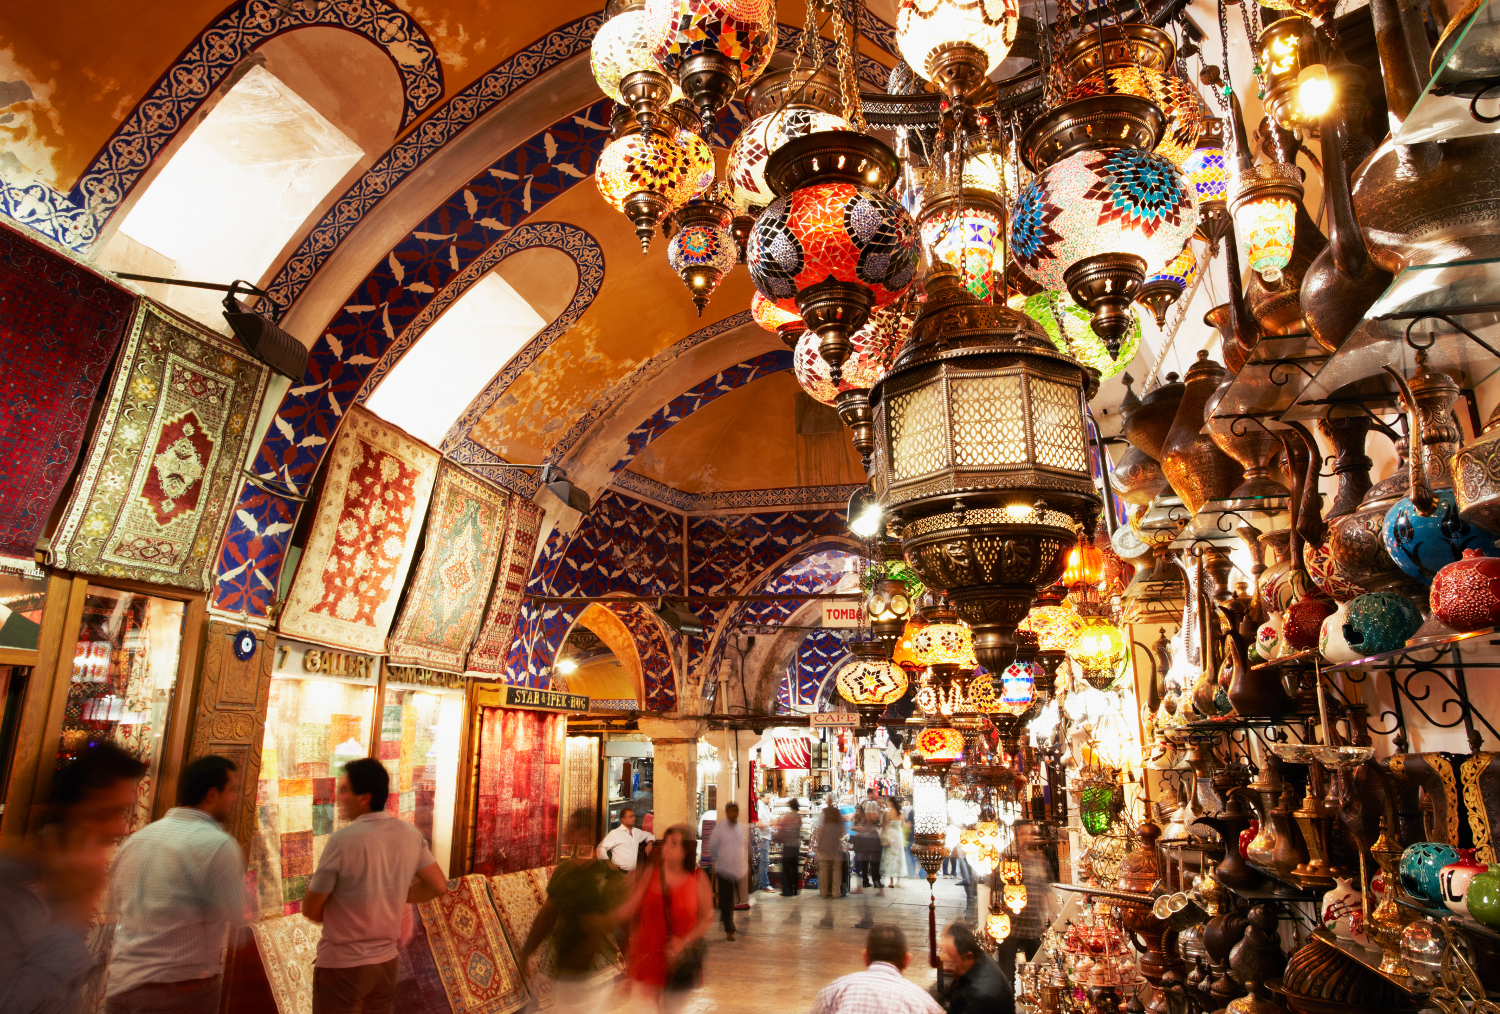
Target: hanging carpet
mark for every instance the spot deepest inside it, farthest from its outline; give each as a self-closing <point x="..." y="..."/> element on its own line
<point x="493" y="648"/>
<point x="519" y="791"/>
<point x="445" y="601"/>
<point x="474" y="961"/>
<point x="153" y="498"/>
<point x="288" y="946"/>
<point x="362" y="538"/>
<point x="59" y="327"/>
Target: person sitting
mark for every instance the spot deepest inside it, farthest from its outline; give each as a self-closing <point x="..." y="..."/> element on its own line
<point x="979" y="987"/>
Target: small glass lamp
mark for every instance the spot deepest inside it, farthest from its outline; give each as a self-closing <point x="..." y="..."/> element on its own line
<point x="870" y="681"/>
<point x="1015" y="897"/>
<point x="1100" y="652"/>
<point x="998" y="926"/>
<point x="1264" y="205"/>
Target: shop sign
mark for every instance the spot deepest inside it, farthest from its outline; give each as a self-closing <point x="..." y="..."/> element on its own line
<point x="833" y="720"/>
<point x="497" y="696"/>
<point x="843" y="613"/>
<point x="338" y="663"/>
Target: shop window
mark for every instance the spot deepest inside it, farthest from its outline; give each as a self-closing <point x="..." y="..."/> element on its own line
<point x="233" y="194"/>
<point x="22" y="597"/>
<point x="120" y="688"/>
<point x="420" y="734"/>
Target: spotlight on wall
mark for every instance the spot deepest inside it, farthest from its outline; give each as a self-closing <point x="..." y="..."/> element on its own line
<point x="679" y="618"/>
<point x="556" y="481"/>
<point x="864" y="514"/>
<point x="566" y="666"/>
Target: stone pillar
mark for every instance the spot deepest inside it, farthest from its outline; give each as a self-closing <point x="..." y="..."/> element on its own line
<point x="734" y="778"/>
<point x="674" y="747"/>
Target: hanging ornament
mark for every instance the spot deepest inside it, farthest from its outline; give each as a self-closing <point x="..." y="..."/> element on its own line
<point x="624" y="67"/>
<point x="1207" y="172"/>
<point x="1138" y="59"/>
<point x="1264" y="205"/>
<point x="875" y="348"/>
<point x="712" y="47"/>
<point x="834" y="244"/>
<point x="1078" y="338"/>
<point x="966" y="235"/>
<point x="701" y="251"/>
<point x="646" y="174"/>
<point x="1164" y="288"/>
<point x="1018" y="687"/>
<point x="745" y="168"/>
<point x="956" y="44"/>
<point x="783" y="323"/>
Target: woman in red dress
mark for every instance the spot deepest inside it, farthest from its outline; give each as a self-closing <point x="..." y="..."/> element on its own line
<point x="666" y="939"/>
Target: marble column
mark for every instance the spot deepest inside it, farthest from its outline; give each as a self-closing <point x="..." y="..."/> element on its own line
<point x="734" y="778"/>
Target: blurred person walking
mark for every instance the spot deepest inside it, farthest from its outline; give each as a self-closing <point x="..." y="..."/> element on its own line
<point x="867" y="842"/>
<point x="789" y="837"/>
<point x="978" y="986"/>
<point x="829" y="849"/>
<point x="179" y="887"/>
<point x="892" y="842"/>
<point x="370" y="870"/>
<point x="583" y="895"/>
<point x="671" y="911"/>
<point x="50" y="891"/>
<point x="880" y="988"/>
<point x="729" y="848"/>
<point x="762" y="826"/>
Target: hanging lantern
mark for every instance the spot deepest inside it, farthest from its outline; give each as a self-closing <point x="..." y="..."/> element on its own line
<point x="1015" y="897"/>
<point x="1018" y="687"/>
<point x="870" y="682"/>
<point x="963" y="227"/>
<point x="1111" y="742"/>
<point x="983" y="458"/>
<point x="712" y="47"/>
<point x="874" y="346"/>
<point x="1279" y="53"/>
<point x="1057" y="628"/>
<point x="785" y="324"/>
<point x="1077" y="336"/>
<point x="701" y="251"/>
<point x="784" y="104"/>
<point x="624" y="67"/>
<point x="1138" y="59"/>
<point x="1264" y="204"/>
<point x="980" y="693"/>
<point x="1100" y="652"/>
<point x="834" y="244"/>
<point x="888" y="605"/>
<point x="929" y="800"/>
<point x="647" y="174"/>
<point x="956" y="44"/>
<point x="1207" y="172"/>
<point x="1085" y="566"/>
<point x="998" y="926"/>
<point x="946" y="643"/>
<point x="939" y="745"/>
<point x="1102" y="212"/>
<point x="1165" y="287"/>
<point x="941" y="699"/>
<point x="905" y="652"/>
<point x="1010" y="870"/>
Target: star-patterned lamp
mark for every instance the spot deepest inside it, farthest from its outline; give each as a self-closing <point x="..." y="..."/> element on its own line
<point x="870" y="681"/>
<point x="785" y="324"/>
<point x="646" y="174"/>
<point x="712" y="47"/>
<point x="701" y="251"/>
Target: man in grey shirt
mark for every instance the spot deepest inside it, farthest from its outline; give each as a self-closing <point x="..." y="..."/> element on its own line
<point x="179" y="888"/>
<point x="729" y="848"/>
<point x="370" y="870"/>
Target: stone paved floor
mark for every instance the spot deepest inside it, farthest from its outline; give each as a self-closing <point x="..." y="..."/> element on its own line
<point x="786" y="949"/>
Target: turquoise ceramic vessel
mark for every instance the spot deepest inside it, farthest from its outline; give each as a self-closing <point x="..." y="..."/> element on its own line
<point x="1423" y="546"/>
<point x="1420" y="864"/>
<point x="1380" y="621"/>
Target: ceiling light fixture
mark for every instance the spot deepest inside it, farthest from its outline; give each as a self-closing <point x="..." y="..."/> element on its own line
<point x="679" y="618"/>
<point x="864" y="513"/>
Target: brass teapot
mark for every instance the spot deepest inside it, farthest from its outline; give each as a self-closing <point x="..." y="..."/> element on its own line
<point x="1193" y="464"/>
<point x="1476" y="477"/>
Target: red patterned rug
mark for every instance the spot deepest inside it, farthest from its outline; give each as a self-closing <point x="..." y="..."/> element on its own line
<point x="59" y="326"/>
<point x="493" y="647"/>
<point x="465" y="534"/>
<point x="520" y="789"/>
<point x="363" y="537"/>
<point x="474" y="960"/>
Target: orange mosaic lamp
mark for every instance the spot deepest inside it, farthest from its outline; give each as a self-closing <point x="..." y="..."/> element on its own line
<point x="1057" y="628"/>
<point x="940" y="745"/>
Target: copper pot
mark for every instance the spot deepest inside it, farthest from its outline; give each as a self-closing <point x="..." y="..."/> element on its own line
<point x="1221" y="319"/>
<point x="1137" y="478"/>
<point x="1254" y="447"/>
<point x="1147" y="424"/>
<point x="1350" y="463"/>
<point x="1195" y="467"/>
<point x="1355" y="539"/>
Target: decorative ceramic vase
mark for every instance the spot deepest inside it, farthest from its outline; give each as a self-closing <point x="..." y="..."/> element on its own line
<point x="1420" y="864"/>
<point x="1466" y="593"/>
<point x="1190" y="459"/>
<point x="1380" y="621"/>
<point x="1455" y="878"/>
<point x="1303" y="622"/>
<point x="1483" y="898"/>
<point x="1421" y="546"/>
<point x="1327" y="575"/>
<point x="1332" y="644"/>
<point x="1343" y="911"/>
<point x="1268" y="640"/>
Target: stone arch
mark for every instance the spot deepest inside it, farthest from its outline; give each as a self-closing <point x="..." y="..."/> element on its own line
<point x="638" y="639"/>
<point x="624" y="691"/>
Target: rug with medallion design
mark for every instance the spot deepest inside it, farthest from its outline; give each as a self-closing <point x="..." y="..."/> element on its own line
<point x="474" y="960"/>
<point x="163" y="469"/>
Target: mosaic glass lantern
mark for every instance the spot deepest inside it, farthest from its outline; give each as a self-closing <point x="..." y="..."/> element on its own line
<point x="1097" y="220"/>
<point x="646" y="174"/>
<point x="1138" y="59"/>
<point x="1010" y="871"/>
<point x="1164" y="288"/>
<point x="875" y="346"/>
<point x="1077" y="336"/>
<point x="1057" y="628"/>
<point x="701" y="251"/>
<point x="1015" y="897"/>
<point x="1100" y="652"/>
<point x="1264" y="204"/>
<point x="834" y="244"/>
<point x="905" y="652"/>
<point x="929" y="801"/>
<point x="745" y="168"/>
<point x="950" y="644"/>
<point x="969" y="239"/>
<point x="624" y="67"/>
<point x="1018" y="687"/>
<point x="956" y="44"/>
<point x="980" y="693"/>
<point x="785" y="324"/>
<point x="712" y="47"/>
<point x="998" y="926"/>
<point x="939" y="745"/>
<point x="1207" y="172"/>
<point x="870" y="681"/>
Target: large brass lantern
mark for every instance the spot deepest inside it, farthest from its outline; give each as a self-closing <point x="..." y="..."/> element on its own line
<point x="980" y="458"/>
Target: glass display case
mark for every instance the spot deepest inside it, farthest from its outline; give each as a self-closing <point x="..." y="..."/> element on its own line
<point x="421" y="734"/>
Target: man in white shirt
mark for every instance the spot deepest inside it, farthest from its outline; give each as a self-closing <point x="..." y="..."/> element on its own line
<point x="880" y="988"/>
<point x="370" y="870"/>
<point x="622" y="847"/>
<point x="729" y="849"/>
<point x="179" y="888"/>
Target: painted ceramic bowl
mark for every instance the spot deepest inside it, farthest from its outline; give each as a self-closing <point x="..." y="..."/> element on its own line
<point x="1327" y="575"/>
<point x="1466" y="593"/>
<point x="1332" y="644"/>
<point x="1423" y="546"/>
<point x="1380" y="621"/>
<point x="1268" y="643"/>
<point x="1454" y="880"/>
<point x="1304" y="621"/>
<point x="1281" y="585"/>
<point x="1483" y="898"/>
<point x="1420" y="864"/>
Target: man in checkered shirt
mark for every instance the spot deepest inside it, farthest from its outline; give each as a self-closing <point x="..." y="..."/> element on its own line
<point x="880" y="988"/>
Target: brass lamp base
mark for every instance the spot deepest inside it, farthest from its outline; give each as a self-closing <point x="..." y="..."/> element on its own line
<point x="1106" y="285"/>
<point x="853" y="408"/>
<point x="709" y="81"/>
<point x="645" y="92"/>
<point x="740" y="230"/>
<point x="958" y="69"/>
<point x="835" y="310"/>
<point x="646" y="209"/>
<point x="1158" y="297"/>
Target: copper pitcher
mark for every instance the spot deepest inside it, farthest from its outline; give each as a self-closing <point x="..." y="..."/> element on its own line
<point x="1255" y="448"/>
<point x="1137" y="478"/>
<point x="1148" y="422"/>
<point x="1476" y="477"/>
<point x="1193" y="464"/>
<point x="1355" y="539"/>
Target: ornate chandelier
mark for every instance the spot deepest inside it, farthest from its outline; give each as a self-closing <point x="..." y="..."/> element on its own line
<point x="870" y="682"/>
<point x="712" y="47"/>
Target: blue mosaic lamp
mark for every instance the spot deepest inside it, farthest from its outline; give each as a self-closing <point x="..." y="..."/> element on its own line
<point x="702" y="250"/>
<point x="1207" y="171"/>
<point x="1164" y="288"/>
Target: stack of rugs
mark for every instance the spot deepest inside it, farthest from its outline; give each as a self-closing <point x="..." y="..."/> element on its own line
<point x="461" y="958"/>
